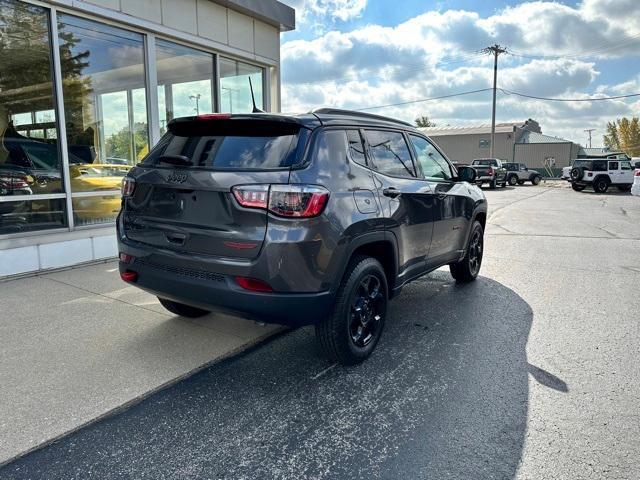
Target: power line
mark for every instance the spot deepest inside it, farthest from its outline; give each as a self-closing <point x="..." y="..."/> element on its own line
<point x="424" y="99"/>
<point x="590" y="99"/>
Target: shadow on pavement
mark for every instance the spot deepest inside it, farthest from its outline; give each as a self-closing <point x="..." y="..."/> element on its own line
<point x="444" y="396"/>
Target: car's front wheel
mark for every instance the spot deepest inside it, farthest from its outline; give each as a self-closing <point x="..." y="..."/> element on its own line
<point x="182" y="309"/>
<point x="467" y="269"/>
<point x="513" y="180"/>
<point x="350" y="334"/>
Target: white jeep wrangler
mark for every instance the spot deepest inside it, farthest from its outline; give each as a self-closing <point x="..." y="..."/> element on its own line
<point x="601" y="174"/>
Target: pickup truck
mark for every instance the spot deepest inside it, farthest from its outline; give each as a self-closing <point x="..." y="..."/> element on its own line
<point x="491" y="171"/>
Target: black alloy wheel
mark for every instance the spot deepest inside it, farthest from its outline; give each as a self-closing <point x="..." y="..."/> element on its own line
<point x="467" y="269"/>
<point x="601" y="185"/>
<point x="367" y="311"/>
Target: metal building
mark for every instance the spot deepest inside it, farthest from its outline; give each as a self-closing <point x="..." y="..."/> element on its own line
<point x="521" y="142"/>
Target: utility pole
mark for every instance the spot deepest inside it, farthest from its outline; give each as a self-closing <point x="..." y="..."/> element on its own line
<point x="589" y="130"/>
<point x="495" y="50"/>
<point x="196" y="97"/>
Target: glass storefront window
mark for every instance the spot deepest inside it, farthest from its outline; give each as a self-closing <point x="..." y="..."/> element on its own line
<point x="29" y="215"/>
<point x="104" y="101"/>
<point x="185" y="82"/>
<point x="235" y="94"/>
<point x="30" y="163"/>
<point x="95" y="209"/>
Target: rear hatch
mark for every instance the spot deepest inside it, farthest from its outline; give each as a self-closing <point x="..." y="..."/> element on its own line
<point x="182" y="197"/>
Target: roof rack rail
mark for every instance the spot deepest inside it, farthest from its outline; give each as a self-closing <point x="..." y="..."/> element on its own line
<point x="355" y="113"/>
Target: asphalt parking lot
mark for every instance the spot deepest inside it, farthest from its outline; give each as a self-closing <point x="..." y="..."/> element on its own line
<point x="530" y="372"/>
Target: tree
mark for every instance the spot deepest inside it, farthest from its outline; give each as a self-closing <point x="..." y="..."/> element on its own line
<point x="624" y="135"/>
<point x="423" y="122"/>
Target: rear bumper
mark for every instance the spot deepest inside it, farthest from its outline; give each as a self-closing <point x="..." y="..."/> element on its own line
<point x="217" y="292"/>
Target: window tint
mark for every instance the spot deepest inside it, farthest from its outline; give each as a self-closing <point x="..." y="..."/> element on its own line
<point x="390" y="153"/>
<point x="625" y="166"/>
<point x="229" y="152"/>
<point x="600" y="166"/>
<point x="433" y="164"/>
<point x="356" y="148"/>
<point x="613" y="165"/>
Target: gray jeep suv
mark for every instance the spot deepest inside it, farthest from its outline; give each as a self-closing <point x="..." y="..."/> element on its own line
<point x="318" y="218"/>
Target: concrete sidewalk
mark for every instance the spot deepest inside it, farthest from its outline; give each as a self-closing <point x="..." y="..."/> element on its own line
<point x="80" y="344"/>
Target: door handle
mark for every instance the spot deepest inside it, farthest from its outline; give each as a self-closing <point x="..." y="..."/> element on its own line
<point x="391" y="192"/>
<point x="176" y="238"/>
<point x="441" y="196"/>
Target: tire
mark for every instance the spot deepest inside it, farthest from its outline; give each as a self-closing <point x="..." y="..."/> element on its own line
<point x="503" y="184"/>
<point x="467" y="269"/>
<point x="183" y="310"/>
<point x="493" y="184"/>
<point x="513" y="180"/>
<point x="576" y="187"/>
<point x="520" y="182"/>
<point x="601" y="185"/>
<point x="536" y="180"/>
<point x="576" y="173"/>
<point x="352" y="331"/>
<point x="624" y="188"/>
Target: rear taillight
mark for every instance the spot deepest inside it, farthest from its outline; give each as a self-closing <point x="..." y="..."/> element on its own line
<point x="252" y="196"/>
<point x="637" y="174"/>
<point x="128" y="186"/>
<point x="297" y="201"/>
<point x="490" y="170"/>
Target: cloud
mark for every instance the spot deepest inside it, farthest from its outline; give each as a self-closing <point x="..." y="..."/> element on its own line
<point x="437" y="53"/>
<point x="335" y="9"/>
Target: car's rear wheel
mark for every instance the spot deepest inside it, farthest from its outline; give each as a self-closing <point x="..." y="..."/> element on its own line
<point x="601" y="185"/>
<point x="493" y="184"/>
<point x="520" y="182"/>
<point x="577" y="188"/>
<point x="513" y="180"/>
<point x="182" y="309"/>
<point x="536" y="180"/>
<point x="350" y="334"/>
<point x="467" y="269"/>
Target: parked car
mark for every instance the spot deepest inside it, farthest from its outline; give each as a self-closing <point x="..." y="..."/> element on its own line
<point x="518" y="173"/>
<point x="601" y="174"/>
<point x="491" y="171"/>
<point x="318" y="218"/>
<point x="635" y="188"/>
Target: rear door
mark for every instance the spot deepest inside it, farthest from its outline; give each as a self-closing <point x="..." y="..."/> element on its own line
<point x="182" y="199"/>
<point x="453" y="206"/>
<point x="626" y="172"/>
<point x="407" y="200"/>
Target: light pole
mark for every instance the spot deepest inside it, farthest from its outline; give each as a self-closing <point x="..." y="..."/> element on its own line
<point x="196" y="97"/>
<point x="495" y="50"/>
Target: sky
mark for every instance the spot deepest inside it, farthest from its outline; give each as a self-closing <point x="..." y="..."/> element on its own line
<point x="367" y="53"/>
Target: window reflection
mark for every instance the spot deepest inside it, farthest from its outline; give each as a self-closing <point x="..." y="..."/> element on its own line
<point x="185" y="82"/>
<point x="30" y="163"/>
<point x="235" y="94"/>
<point x="104" y="100"/>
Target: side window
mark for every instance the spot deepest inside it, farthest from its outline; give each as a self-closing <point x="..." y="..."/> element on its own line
<point x="390" y="153"/>
<point x="625" y="166"/>
<point x="433" y="164"/>
<point x="523" y="167"/>
<point x="356" y="147"/>
<point x="613" y="165"/>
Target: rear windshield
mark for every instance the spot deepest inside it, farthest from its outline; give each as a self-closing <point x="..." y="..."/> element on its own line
<point x="488" y="162"/>
<point x="242" y="151"/>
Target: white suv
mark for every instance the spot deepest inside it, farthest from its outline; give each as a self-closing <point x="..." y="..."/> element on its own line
<point x="601" y="174"/>
<point x="635" y="189"/>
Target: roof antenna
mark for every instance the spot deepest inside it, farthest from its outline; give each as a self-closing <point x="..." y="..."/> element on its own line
<point x="253" y="99"/>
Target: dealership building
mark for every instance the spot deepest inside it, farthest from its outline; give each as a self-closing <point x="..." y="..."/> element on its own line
<point x="87" y="87"/>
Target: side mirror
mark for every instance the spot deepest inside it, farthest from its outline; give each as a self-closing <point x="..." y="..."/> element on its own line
<point x="467" y="174"/>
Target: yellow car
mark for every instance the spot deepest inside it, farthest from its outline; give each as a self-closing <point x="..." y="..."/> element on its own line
<point x="94" y="177"/>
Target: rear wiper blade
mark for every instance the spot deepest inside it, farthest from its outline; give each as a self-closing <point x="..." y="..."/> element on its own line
<point x="175" y="160"/>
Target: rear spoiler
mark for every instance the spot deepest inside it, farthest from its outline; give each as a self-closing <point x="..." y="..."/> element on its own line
<point x="239" y="125"/>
